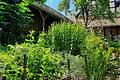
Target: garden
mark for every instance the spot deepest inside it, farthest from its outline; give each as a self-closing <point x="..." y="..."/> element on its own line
<point x="68" y="51"/>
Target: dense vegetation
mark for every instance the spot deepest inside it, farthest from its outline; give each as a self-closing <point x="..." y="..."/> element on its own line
<point x="67" y="37"/>
<point x="89" y="56"/>
<point x="15" y="21"/>
<point x="68" y="50"/>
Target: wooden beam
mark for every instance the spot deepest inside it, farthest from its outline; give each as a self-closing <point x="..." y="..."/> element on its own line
<point x="43" y="19"/>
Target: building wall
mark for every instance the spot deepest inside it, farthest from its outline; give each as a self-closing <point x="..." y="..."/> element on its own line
<point x="113" y="31"/>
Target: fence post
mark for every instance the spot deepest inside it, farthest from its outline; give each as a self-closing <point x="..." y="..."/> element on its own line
<point x="86" y="64"/>
<point x="68" y="61"/>
<point x="25" y="65"/>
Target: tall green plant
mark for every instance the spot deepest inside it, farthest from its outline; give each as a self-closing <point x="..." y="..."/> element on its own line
<point x="67" y="37"/>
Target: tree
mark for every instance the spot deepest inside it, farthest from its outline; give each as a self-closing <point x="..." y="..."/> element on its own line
<point x="88" y="10"/>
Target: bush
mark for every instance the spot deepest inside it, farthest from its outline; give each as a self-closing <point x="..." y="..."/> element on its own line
<point x="43" y="63"/>
<point x="67" y="37"/>
<point x="99" y="62"/>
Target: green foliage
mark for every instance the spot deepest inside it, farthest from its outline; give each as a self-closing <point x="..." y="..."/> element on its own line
<point x="67" y="37"/>
<point x="94" y="60"/>
<point x="15" y="21"/>
<point x="115" y="44"/>
<point x="30" y="37"/>
<point x="99" y="63"/>
<point x="41" y="62"/>
<point x="8" y="58"/>
<point x="76" y="66"/>
<point x="49" y="64"/>
<point x="43" y="40"/>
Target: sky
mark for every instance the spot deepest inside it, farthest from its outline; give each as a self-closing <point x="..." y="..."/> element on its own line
<point x="53" y="3"/>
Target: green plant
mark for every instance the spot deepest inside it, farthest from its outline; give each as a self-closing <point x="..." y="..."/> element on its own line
<point x="68" y="37"/>
<point x="11" y="68"/>
<point x="98" y="59"/>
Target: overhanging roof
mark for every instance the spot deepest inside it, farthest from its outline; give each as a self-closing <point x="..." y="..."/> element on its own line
<point x="49" y="10"/>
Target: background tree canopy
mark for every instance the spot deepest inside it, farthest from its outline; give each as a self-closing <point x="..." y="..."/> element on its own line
<point x="88" y="9"/>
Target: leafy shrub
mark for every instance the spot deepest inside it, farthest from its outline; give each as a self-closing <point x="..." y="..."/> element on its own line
<point x="8" y="59"/>
<point x="67" y="37"/>
<point x="41" y="62"/>
<point x="99" y="63"/>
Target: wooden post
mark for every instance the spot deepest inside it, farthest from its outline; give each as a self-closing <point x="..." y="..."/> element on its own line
<point x="69" y="77"/>
<point x="43" y="18"/>
<point x="86" y="64"/>
<point x="68" y="60"/>
<point x="25" y="65"/>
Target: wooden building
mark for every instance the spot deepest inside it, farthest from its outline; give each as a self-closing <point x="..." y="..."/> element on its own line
<point x="44" y="16"/>
<point x="107" y="27"/>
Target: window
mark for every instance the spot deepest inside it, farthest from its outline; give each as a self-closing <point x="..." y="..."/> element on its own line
<point x="114" y="5"/>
